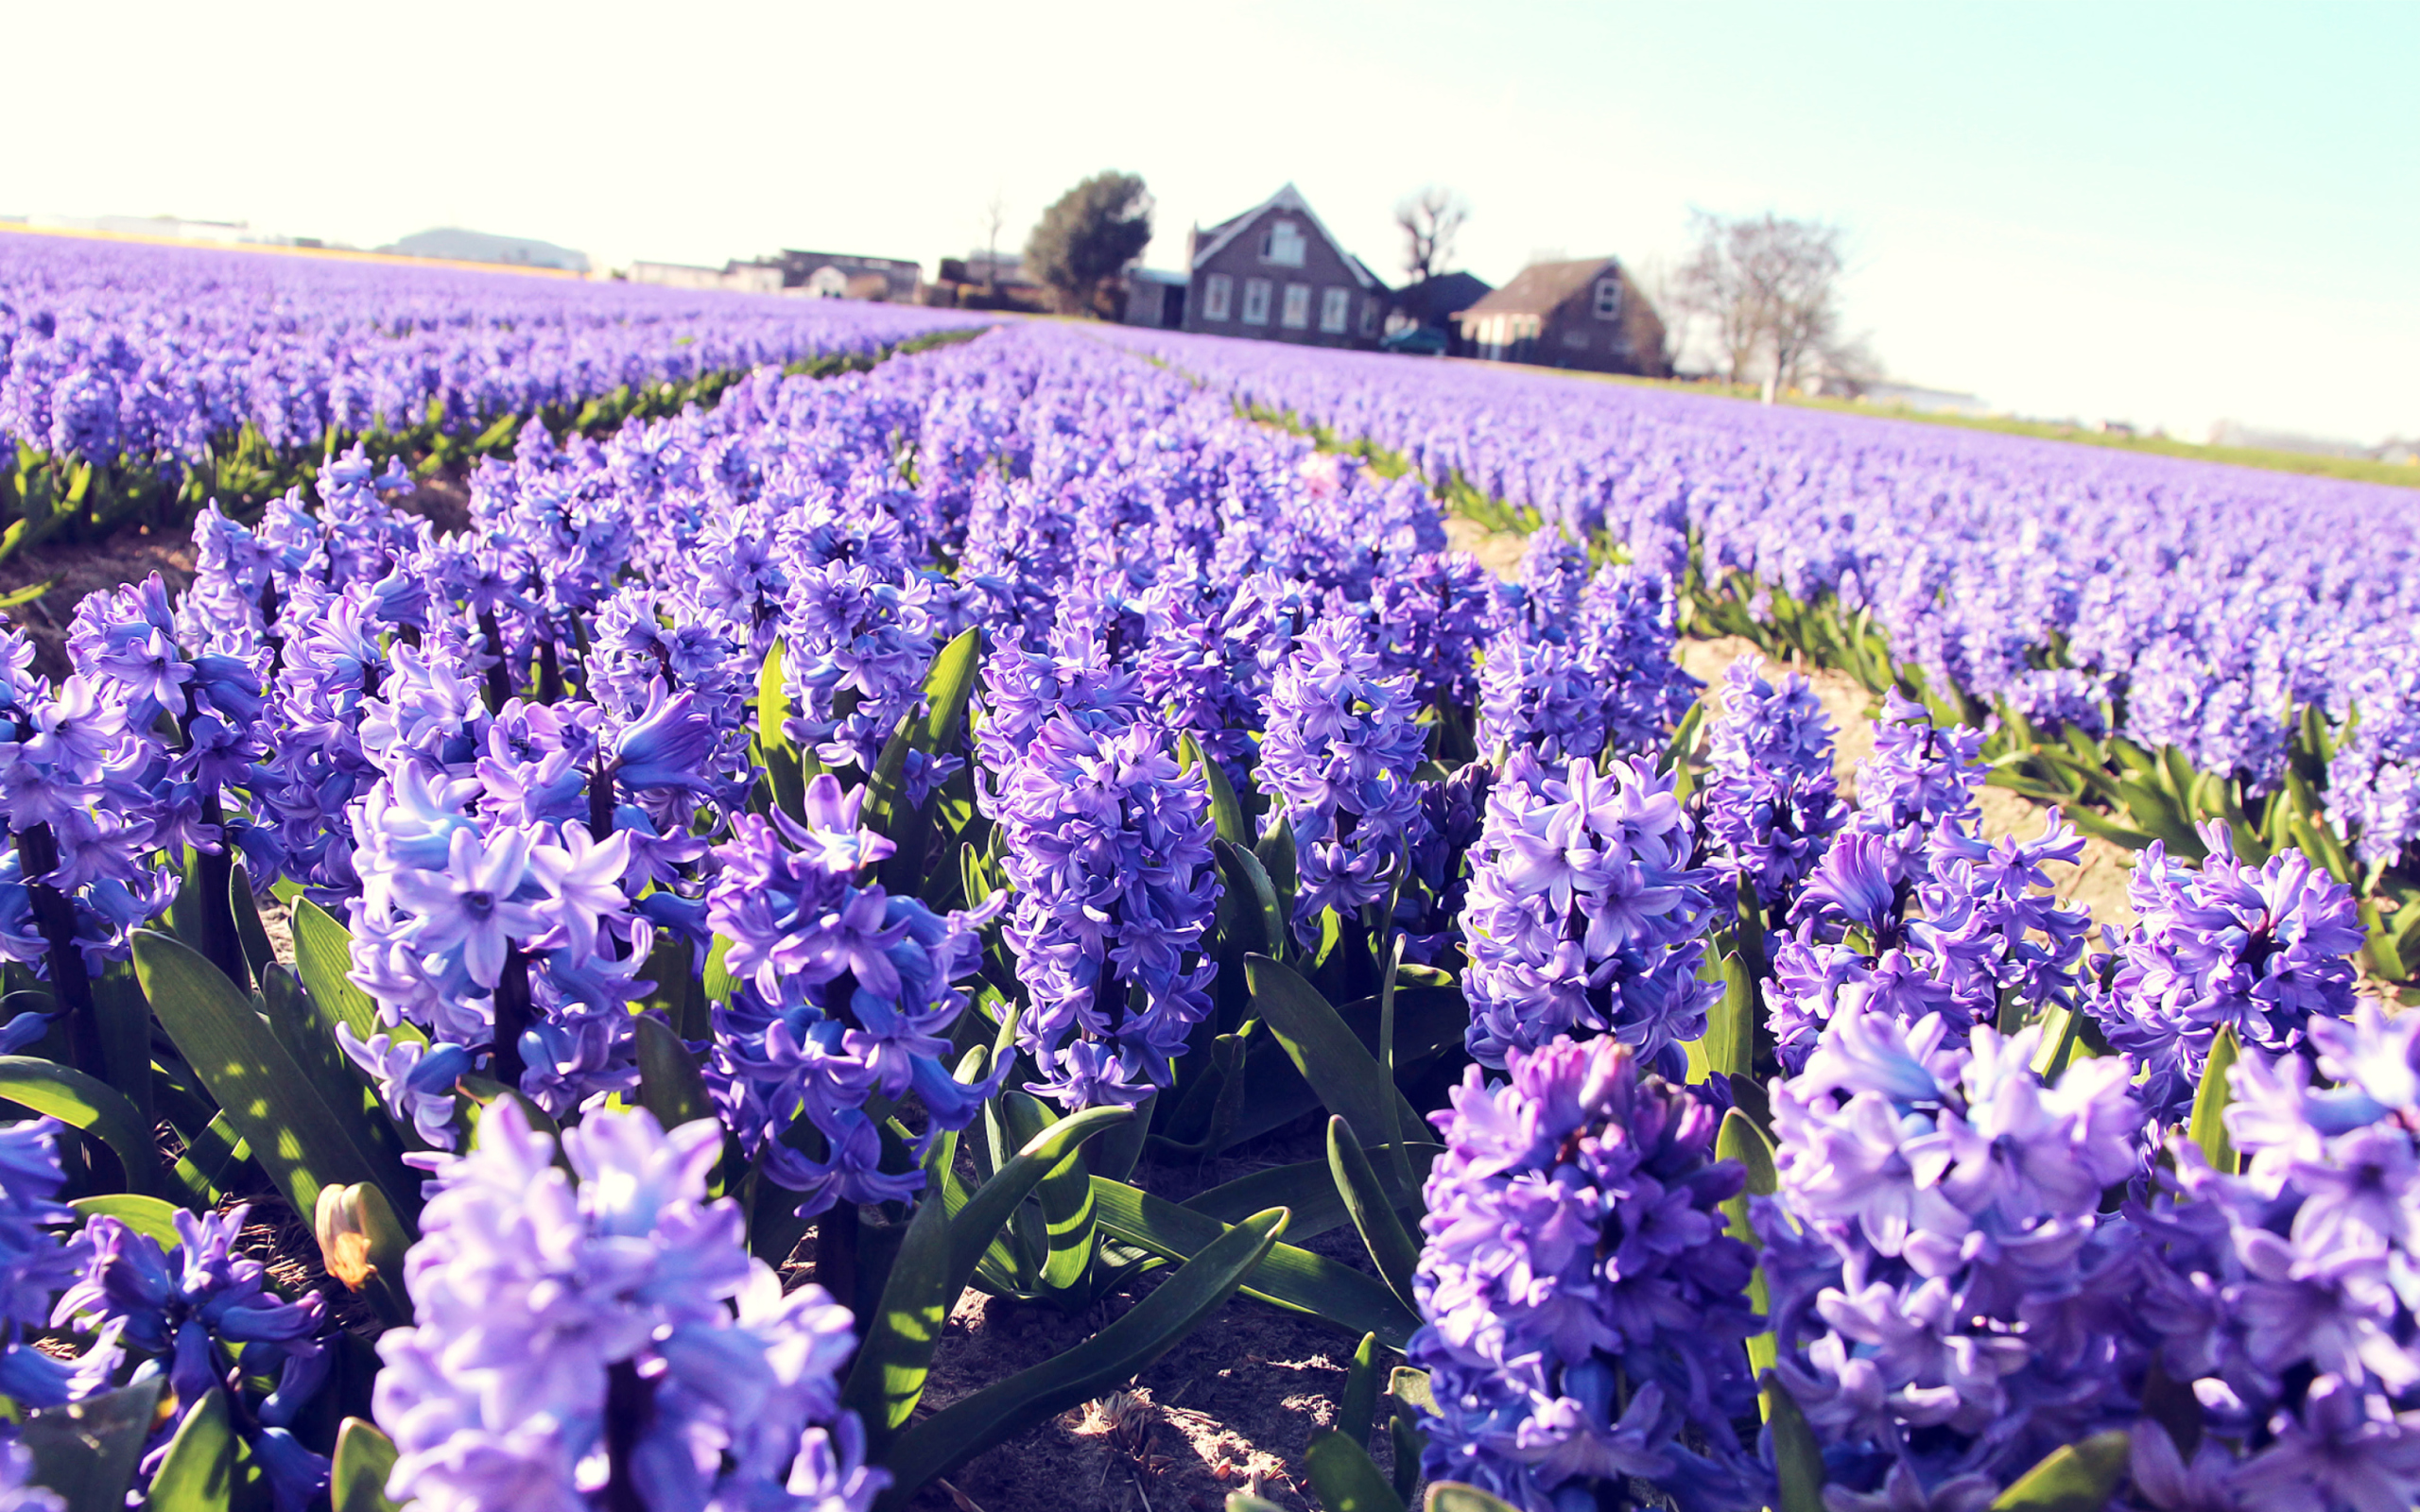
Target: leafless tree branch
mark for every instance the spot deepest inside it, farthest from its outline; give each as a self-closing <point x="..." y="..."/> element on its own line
<point x="1429" y="220"/>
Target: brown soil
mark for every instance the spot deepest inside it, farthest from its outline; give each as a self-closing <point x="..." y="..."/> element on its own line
<point x="1234" y="1403"/>
<point x="73" y="571"/>
<point x="2097" y="884"/>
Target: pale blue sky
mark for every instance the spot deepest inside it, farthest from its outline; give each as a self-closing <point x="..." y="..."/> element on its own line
<point x="2163" y="212"/>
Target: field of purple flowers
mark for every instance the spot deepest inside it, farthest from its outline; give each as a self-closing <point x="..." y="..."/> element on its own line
<point x="138" y="381"/>
<point x="2154" y="643"/>
<point x="911" y="818"/>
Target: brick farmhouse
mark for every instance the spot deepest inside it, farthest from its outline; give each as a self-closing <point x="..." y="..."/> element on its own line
<point x="1585" y="313"/>
<point x="1273" y="272"/>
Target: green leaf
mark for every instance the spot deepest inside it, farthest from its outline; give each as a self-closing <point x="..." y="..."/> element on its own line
<point x="1798" y="1459"/>
<point x="124" y="1023"/>
<point x="1382" y="1232"/>
<point x="2110" y="830"/>
<point x="1453" y="1496"/>
<point x="1328" y="1054"/>
<point x="250" y="931"/>
<point x="1246" y="1502"/>
<point x="2081" y="1477"/>
<point x="303" y="1027"/>
<point x="199" y="1473"/>
<point x="323" y="958"/>
<point x="1067" y="1196"/>
<point x="717" y="979"/>
<point x="1731" y="1025"/>
<point x="1357" y="1413"/>
<point x="1276" y="853"/>
<point x="149" y="1216"/>
<point x="1247" y="878"/>
<point x="1346" y="1478"/>
<point x="672" y="966"/>
<point x="670" y="1085"/>
<point x="17" y="598"/>
<point x="1307" y="1188"/>
<point x="87" y="1451"/>
<point x="299" y="1138"/>
<point x="1006" y="1408"/>
<point x="364" y="1458"/>
<point x="1410" y="1444"/>
<point x="947" y="685"/>
<point x="1741" y="1140"/>
<point x="2208" y="1127"/>
<point x="1225" y="811"/>
<point x="887" y="1376"/>
<point x="936" y="1260"/>
<point x="1684" y="736"/>
<point x="784" y="764"/>
<point x="1293" y="1279"/>
<point x="85" y="1103"/>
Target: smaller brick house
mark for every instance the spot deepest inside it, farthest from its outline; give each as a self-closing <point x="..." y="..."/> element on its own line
<point x="1275" y="273"/>
<point x="1585" y="313"/>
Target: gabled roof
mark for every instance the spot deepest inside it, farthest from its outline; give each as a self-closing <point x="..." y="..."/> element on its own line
<point x="1443" y="296"/>
<point x="1541" y="287"/>
<point x="1290" y="200"/>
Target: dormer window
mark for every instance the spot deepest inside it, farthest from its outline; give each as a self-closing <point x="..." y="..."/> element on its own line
<point x="1609" y="299"/>
<point x="1283" y="243"/>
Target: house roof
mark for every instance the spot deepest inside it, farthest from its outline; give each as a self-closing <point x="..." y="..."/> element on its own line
<point x="1439" y="299"/>
<point x="1541" y="287"/>
<point x="1290" y="200"/>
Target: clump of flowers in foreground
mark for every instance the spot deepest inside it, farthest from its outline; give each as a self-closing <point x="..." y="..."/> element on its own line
<point x="600" y="1337"/>
<point x="37" y="1261"/>
<point x="2284" y="1295"/>
<point x="1584" y="913"/>
<point x="1949" y="1302"/>
<point x="1772" y="804"/>
<point x="846" y="993"/>
<point x="1586" y="1311"/>
<point x="2225" y="945"/>
<point x="1337" y="762"/>
<point x="1108" y="844"/>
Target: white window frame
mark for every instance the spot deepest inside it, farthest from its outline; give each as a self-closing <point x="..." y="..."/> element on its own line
<point x="1296" y="313"/>
<point x="1218" y="296"/>
<point x="1609" y="299"/>
<point x="1369" y="317"/>
<point x="1256" y="293"/>
<point x="1336" y="310"/>
<point x="1284" y="245"/>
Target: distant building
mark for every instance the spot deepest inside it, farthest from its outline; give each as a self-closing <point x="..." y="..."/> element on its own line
<point x="454" y="245"/>
<point x="2235" y="433"/>
<point x="1273" y="273"/>
<point x="169" y="228"/>
<point x="744" y="278"/>
<point x="989" y="267"/>
<point x="1922" y="401"/>
<point x="845" y="276"/>
<point x="1433" y="304"/>
<point x="1155" y="298"/>
<point x="1585" y="313"/>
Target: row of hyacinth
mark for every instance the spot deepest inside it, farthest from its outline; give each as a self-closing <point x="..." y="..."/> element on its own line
<point x="152" y="354"/>
<point x="1985" y="1245"/>
<point x="516" y="761"/>
<point x="2177" y="603"/>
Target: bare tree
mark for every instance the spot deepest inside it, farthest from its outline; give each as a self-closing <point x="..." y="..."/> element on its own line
<point x="1769" y="287"/>
<point x="996" y="214"/>
<point x="1430" y="220"/>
